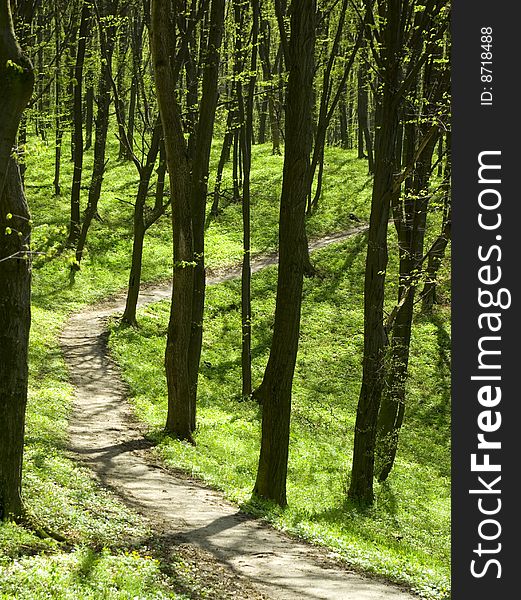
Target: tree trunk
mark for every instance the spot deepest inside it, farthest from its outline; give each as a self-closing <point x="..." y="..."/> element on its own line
<point x="344" y="123"/>
<point x="121" y="54"/>
<point x="178" y="422"/>
<point x="100" y="142"/>
<point x="57" y="108"/>
<point x="140" y="228"/>
<point x="437" y="251"/>
<point x="15" y="321"/>
<point x="199" y="187"/>
<point x="77" y="135"/>
<point x="89" y="115"/>
<point x="364" y="135"/>
<point x="262" y="109"/>
<point x="275" y="390"/>
<point x="375" y="339"/>
<point x="161" y="172"/>
<point x="16" y="85"/>
<point x="245" y="136"/>
<point x="434" y="262"/>
<point x="267" y="72"/>
<point x="225" y="154"/>
<point x="188" y="187"/>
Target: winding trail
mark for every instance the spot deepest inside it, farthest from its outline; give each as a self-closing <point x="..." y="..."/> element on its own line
<point x="107" y="438"/>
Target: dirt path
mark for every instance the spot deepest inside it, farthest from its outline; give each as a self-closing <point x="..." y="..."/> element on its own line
<point x="103" y="432"/>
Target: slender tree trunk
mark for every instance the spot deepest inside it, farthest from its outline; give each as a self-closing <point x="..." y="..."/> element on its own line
<point x="224" y="156"/>
<point x="39" y="119"/>
<point x="77" y="135"/>
<point x="375" y="339"/>
<point x="121" y="54"/>
<point x="15" y="321"/>
<point x="58" y="108"/>
<point x="262" y="109"/>
<point x="89" y="115"/>
<point x="344" y="123"/>
<point x="16" y="85"/>
<point x="178" y="422"/>
<point x="100" y="144"/>
<point x="188" y="188"/>
<point x="246" y="134"/>
<point x="132" y="114"/>
<point x="267" y="71"/>
<point x="137" y="53"/>
<point x="364" y="134"/>
<point x="161" y="172"/>
<point x="275" y="390"/>
<point x="440" y="154"/>
<point x="274" y="126"/>
<point x="434" y="262"/>
<point x="437" y="251"/>
<point x="140" y="228"/>
<point x="199" y="187"/>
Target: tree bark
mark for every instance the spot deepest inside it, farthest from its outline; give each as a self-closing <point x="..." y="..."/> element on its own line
<point x="107" y="40"/>
<point x="364" y="134"/>
<point x="16" y="85"/>
<point x="410" y="218"/>
<point x="140" y="227"/>
<point x="77" y="135"/>
<point x="245" y="136"/>
<point x="224" y="156"/>
<point x="89" y="115"/>
<point x="15" y="321"/>
<point x="267" y="73"/>
<point x="188" y="188"/>
<point x="400" y="31"/>
<point x="199" y="186"/>
<point x="57" y="107"/>
<point x="375" y="339"/>
<point x="275" y="390"/>
<point x="178" y="422"/>
<point x="437" y="251"/>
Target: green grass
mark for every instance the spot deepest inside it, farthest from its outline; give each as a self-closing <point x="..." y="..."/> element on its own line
<point x="405" y="536"/>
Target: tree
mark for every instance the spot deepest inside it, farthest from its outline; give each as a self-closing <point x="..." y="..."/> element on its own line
<point x="187" y="164"/>
<point x="275" y="389"/>
<point x="143" y="220"/>
<point x="410" y="210"/>
<point x="16" y="85"/>
<point x="364" y="135"/>
<point x="77" y="136"/>
<point x="106" y="12"/>
<point x="436" y="252"/>
<point x="399" y="34"/>
<point x="329" y="102"/>
<point x="242" y="150"/>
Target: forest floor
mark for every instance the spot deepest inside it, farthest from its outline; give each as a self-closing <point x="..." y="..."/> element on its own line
<point x="251" y="557"/>
<point x="111" y="550"/>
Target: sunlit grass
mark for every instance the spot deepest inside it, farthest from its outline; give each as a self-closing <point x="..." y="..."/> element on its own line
<point x="406" y="535"/>
<point x="100" y="530"/>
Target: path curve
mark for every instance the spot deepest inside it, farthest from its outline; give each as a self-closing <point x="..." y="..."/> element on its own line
<point x="107" y="438"/>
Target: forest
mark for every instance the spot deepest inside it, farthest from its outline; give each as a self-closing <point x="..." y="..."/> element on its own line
<point x="225" y="299"/>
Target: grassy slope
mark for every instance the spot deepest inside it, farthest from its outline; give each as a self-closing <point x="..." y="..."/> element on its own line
<point x="105" y="539"/>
